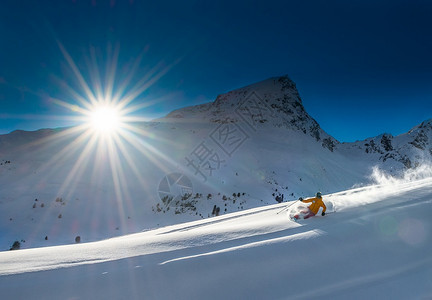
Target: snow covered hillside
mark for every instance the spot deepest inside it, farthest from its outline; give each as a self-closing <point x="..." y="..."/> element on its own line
<point x="241" y="151"/>
<point x="374" y="243"/>
<point x="411" y="149"/>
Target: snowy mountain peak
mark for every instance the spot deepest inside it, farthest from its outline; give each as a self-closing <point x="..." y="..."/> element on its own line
<point x="425" y="125"/>
<point x="277" y="92"/>
<point x="272" y="88"/>
<point x="421" y="136"/>
<point x="273" y="102"/>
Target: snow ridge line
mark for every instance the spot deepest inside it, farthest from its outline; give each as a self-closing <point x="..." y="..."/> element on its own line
<point x="224" y="218"/>
<point x="298" y="236"/>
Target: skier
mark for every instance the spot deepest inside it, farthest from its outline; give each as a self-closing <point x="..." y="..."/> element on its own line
<point x="313" y="209"/>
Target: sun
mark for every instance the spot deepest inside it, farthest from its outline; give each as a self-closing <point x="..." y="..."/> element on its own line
<point x="105" y="119"/>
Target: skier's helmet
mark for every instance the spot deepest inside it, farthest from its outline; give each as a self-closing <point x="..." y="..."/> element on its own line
<point x="318" y="195"/>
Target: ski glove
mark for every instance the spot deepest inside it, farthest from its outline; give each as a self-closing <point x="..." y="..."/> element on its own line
<point x="323" y="214"/>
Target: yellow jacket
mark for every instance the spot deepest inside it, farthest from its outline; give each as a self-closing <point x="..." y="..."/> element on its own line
<point x="316" y="204"/>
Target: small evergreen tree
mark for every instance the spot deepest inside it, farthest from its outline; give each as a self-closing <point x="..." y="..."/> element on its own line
<point x="15" y="246"/>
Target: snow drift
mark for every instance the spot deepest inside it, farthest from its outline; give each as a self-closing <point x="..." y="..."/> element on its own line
<point x="375" y="244"/>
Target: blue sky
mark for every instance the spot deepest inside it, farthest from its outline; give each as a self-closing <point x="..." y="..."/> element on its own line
<point x="362" y="67"/>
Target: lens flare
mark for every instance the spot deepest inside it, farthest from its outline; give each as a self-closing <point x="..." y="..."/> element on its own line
<point x="105" y="119"/>
<point x="109" y="136"/>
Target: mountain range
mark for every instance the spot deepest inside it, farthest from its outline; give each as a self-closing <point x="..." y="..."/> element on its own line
<point x="246" y="149"/>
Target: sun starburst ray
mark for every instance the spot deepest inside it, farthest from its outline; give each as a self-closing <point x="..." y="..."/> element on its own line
<point x="95" y="75"/>
<point x="71" y="107"/>
<point x="129" y="160"/>
<point x="78" y="169"/>
<point x="151" y="152"/>
<point x="111" y="66"/>
<point x="78" y="75"/>
<point x="74" y="94"/>
<point x="117" y="96"/>
<point x="57" y="137"/>
<point x="105" y="147"/>
<point x="149" y="102"/>
<point x="118" y="177"/>
<point x="154" y="75"/>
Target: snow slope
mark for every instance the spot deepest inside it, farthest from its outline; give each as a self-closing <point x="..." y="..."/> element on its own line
<point x="375" y="242"/>
<point x="259" y="142"/>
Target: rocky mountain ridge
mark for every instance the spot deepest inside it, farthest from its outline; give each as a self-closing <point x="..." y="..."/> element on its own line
<point x="410" y="149"/>
<point x="275" y="101"/>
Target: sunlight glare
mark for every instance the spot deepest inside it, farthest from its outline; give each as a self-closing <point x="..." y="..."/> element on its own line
<point x="105" y="119"/>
